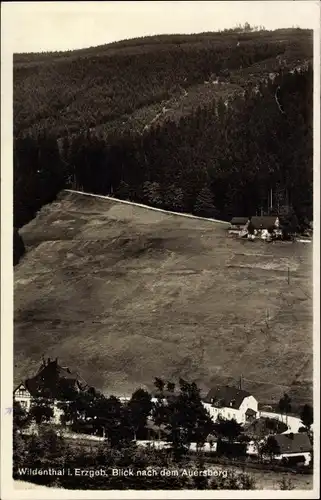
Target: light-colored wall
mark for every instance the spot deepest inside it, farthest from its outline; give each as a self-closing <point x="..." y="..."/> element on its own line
<point x="249" y="402"/>
<point x="229" y="413"/>
<point x="166" y="444"/>
<point x="252" y="449"/>
<point x="306" y="455"/>
<point x="225" y="412"/>
<point x="23" y="397"/>
<point x="293" y="423"/>
<point x="25" y="401"/>
<point x="57" y="412"/>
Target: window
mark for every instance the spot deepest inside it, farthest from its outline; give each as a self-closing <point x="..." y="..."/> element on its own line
<point x="21" y="392"/>
<point x="228" y="415"/>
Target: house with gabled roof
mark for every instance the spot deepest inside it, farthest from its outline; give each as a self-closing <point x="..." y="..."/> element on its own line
<point x="22" y="396"/>
<point x="53" y="383"/>
<point x="261" y="225"/>
<point x="293" y="446"/>
<point x="265" y="222"/>
<point x="231" y="403"/>
<point x="238" y="223"/>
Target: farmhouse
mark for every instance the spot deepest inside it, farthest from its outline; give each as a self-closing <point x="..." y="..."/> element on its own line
<point x="22" y="396"/>
<point x="54" y="381"/>
<point x="294" y="445"/>
<point x="238" y="223"/>
<point x="231" y="403"/>
<point x="262" y="225"/>
<point x="265" y="222"/>
<point x="51" y="382"/>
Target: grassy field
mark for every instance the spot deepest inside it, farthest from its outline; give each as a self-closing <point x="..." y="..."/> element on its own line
<point x="123" y="294"/>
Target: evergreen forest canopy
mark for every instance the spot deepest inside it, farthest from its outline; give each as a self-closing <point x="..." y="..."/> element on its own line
<point x="215" y="124"/>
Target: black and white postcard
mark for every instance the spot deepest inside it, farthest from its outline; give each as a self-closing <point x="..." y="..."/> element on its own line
<point x="160" y="169"/>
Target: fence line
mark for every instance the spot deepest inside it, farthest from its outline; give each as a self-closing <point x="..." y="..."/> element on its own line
<point x="111" y="198"/>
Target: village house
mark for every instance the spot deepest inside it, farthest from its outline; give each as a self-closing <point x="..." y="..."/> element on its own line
<point x="265" y="222"/>
<point x="237" y="224"/>
<point x="294" y="445"/>
<point x="52" y="382"/>
<point x="22" y="396"/>
<point x="231" y="403"/>
<point x="262" y="226"/>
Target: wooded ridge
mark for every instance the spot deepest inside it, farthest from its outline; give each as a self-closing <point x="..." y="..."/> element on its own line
<point x="209" y="124"/>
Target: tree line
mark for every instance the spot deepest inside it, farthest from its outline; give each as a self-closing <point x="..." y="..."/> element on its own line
<point x="178" y="417"/>
<point x="219" y="161"/>
<point x="50" y="450"/>
<point x="173" y="414"/>
<point x="94" y="87"/>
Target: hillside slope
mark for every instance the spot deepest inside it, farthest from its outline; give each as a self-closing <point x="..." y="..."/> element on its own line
<point x="124" y="85"/>
<point x="124" y="293"/>
<point x="214" y="124"/>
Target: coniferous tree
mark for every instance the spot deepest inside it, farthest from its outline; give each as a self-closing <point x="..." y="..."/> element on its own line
<point x="139" y="406"/>
<point x="186" y="419"/>
<point x="18" y="247"/>
<point x="271" y="447"/>
<point x="306" y="416"/>
<point x="239" y="147"/>
<point x="285" y="405"/>
<point x="204" y="205"/>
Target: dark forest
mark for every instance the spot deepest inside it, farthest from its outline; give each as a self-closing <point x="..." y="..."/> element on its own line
<point x="244" y="149"/>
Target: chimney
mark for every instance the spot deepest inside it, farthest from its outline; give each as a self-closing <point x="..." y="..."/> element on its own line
<point x="48" y="361"/>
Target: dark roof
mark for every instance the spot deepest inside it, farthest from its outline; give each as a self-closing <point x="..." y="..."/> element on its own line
<point x="226" y="396"/>
<point x="52" y="366"/>
<point x="19" y="385"/>
<point x="236" y="221"/>
<point x="293" y="443"/>
<point x="263" y="222"/>
<point x="48" y="375"/>
<point x="211" y="437"/>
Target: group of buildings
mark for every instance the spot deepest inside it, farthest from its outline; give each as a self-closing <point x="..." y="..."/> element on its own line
<point x="224" y="402"/>
<point x="264" y="227"/>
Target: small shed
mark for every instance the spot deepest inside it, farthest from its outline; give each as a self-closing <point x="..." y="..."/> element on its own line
<point x="250" y="415"/>
<point x="238" y="223"/>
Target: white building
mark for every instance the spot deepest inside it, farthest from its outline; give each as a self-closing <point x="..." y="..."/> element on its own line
<point x="294" y="445"/>
<point x="22" y="396"/>
<point x="291" y="445"/>
<point x="231" y="403"/>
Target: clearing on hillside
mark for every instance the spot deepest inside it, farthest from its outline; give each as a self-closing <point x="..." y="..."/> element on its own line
<point x="125" y="293"/>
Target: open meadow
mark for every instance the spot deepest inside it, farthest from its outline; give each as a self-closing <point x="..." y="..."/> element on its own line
<point x="123" y="294"/>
